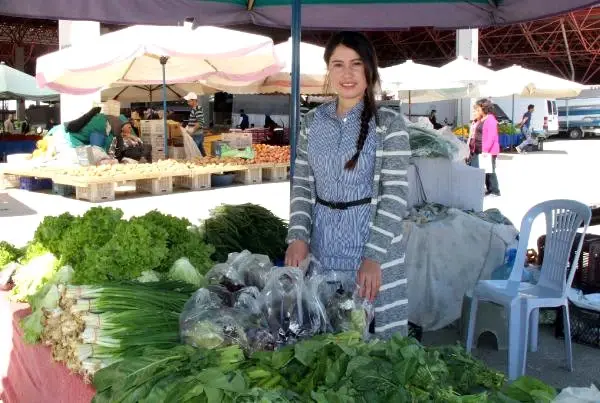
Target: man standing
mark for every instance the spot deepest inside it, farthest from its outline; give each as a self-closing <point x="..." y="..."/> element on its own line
<point x="196" y="121"/>
<point x="9" y="126"/>
<point x="244" y="120"/>
<point x="526" y="128"/>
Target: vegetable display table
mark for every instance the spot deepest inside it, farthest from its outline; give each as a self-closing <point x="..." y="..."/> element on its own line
<point x="29" y="374"/>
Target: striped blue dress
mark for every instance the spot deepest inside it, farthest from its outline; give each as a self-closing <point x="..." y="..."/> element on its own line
<point x="341" y="239"/>
<point x="339" y="236"/>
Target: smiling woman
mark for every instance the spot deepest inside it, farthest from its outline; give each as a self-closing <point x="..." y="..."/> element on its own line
<point x="350" y="185"/>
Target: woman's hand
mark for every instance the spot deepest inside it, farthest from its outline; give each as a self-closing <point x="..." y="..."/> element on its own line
<point x="369" y="279"/>
<point x="296" y="253"/>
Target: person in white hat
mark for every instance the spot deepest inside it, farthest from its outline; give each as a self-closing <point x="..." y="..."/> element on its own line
<point x="195" y="121"/>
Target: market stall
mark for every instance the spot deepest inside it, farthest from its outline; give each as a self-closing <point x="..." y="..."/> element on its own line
<point x="148" y="322"/>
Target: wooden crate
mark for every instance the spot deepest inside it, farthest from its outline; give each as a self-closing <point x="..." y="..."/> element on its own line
<point x="155" y="186"/>
<point x="275" y="174"/>
<point x="9" y="181"/>
<point x="194" y="182"/>
<point x="96" y="192"/>
<point x="250" y="176"/>
<point x="177" y="153"/>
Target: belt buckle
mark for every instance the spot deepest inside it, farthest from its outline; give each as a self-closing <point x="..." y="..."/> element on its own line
<point x="340" y="206"/>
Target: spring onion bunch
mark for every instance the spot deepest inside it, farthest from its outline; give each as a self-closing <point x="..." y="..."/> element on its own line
<point x="121" y="319"/>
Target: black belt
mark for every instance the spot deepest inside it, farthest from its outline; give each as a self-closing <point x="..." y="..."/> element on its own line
<point x="343" y="205"/>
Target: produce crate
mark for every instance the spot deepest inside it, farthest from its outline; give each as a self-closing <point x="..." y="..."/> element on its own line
<point x="250" y="176"/>
<point x="9" y="181"/>
<point x="152" y="127"/>
<point x="111" y="108"/>
<point x="158" y="154"/>
<point x="194" y="182"/>
<point x="238" y="140"/>
<point x="275" y="174"/>
<point x="63" y="190"/>
<point x="585" y="325"/>
<point x="587" y="276"/>
<point x="29" y="183"/>
<point x="96" y="192"/>
<point x="177" y="153"/>
<point x="155" y="186"/>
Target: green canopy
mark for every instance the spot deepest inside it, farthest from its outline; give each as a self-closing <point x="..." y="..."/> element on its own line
<point x="15" y="84"/>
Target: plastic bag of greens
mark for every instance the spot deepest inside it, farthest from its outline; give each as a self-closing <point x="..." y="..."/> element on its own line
<point x="227" y="274"/>
<point x="255" y="269"/>
<point x="293" y="311"/>
<point x="214" y="328"/>
<point x="249" y="301"/>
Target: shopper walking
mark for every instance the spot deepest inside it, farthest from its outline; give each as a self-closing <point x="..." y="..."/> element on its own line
<point x="350" y="185"/>
<point x="526" y="128"/>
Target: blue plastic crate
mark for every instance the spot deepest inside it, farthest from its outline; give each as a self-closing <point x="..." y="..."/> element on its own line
<point x="32" y="184"/>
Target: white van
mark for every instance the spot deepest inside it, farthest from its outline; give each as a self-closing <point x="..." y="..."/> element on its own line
<point x="545" y="115"/>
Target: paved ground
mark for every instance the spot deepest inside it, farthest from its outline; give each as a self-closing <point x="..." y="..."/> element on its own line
<point x="564" y="170"/>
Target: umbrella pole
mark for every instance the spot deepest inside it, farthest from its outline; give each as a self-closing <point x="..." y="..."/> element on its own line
<point x="163" y="62"/>
<point x="513" y="110"/>
<point x="295" y="104"/>
<point x="409" y="104"/>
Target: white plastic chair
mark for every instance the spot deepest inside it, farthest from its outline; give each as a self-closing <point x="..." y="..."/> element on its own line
<point x="522" y="300"/>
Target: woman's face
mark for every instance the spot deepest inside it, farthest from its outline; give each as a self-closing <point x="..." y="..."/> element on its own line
<point x="347" y="73"/>
<point x="126" y="130"/>
<point x="479" y="112"/>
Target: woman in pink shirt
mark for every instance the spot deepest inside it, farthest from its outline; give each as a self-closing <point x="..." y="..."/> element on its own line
<point x="485" y="141"/>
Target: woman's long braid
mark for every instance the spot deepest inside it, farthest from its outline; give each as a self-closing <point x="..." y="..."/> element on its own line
<point x="365" y="119"/>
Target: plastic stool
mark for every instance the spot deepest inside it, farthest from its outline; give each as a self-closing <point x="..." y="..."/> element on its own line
<point x="490" y="318"/>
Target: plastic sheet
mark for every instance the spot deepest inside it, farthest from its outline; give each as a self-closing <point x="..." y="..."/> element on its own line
<point x="189" y="146"/>
<point x="213" y="328"/>
<point x="428" y="143"/>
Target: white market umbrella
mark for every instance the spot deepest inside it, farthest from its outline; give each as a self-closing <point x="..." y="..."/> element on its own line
<point x="152" y="92"/>
<point x="158" y="55"/>
<point x="132" y="55"/>
<point x="466" y="71"/>
<point x="313" y="72"/>
<point x="426" y="83"/>
<point x="517" y="80"/>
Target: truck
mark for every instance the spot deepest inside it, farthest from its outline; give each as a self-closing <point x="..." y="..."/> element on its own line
<point x="579" y="117"/>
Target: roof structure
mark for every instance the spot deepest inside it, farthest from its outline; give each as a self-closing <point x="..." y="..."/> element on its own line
<point x="539" y="45"/>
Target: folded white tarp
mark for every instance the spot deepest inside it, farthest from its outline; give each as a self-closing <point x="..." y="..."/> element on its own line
<point x="445" y="259"/>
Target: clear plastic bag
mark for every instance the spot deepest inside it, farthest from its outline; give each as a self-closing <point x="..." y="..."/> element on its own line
<point x="255" y="269"/>
<point x="345" y="310"/>
<point x="241" y="269"/>
<point x="213" y="328"/>
<point x="429" y="143"/>
<point x="189" y="146"/>
<point x="462" y="149"/>
<point x="250" y="300"/>
<point x="227" y="275"/>
<point x="292" y="310"/>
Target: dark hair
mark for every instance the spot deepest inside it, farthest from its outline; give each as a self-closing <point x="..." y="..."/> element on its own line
<point x="486" y="106"/>
<point x="530" y="107"/>
<point x="361" y="45"/>
<point x="241" y="111"/>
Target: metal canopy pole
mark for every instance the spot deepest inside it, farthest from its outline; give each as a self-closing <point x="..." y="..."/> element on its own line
<point x="295" y="96"/>
<point x="163" y="63"/>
